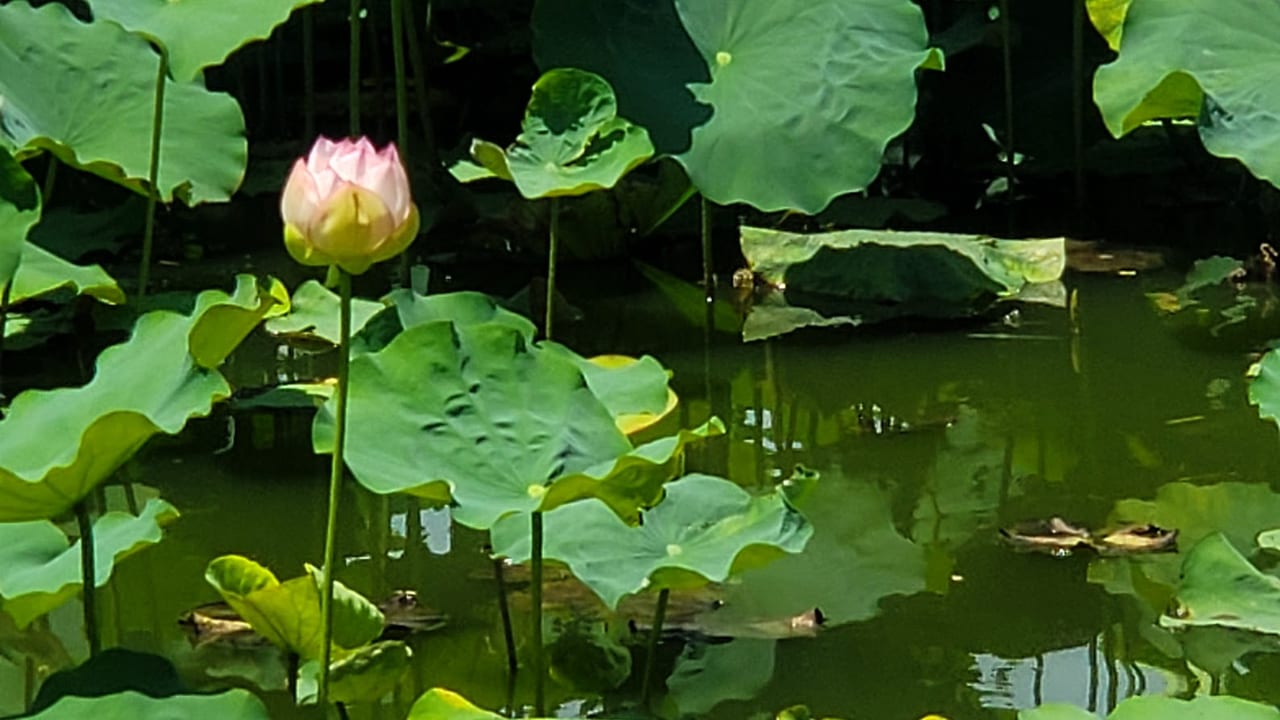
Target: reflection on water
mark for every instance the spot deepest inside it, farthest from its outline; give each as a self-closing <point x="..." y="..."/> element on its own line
<point x="926" y="443"/>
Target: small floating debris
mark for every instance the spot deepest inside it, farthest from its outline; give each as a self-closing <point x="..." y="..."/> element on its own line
<point x="1059" y="538"/>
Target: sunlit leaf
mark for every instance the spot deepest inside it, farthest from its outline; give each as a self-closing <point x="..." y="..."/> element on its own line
<point x="363" y="676"/>
<point x="1158" y="707"/>
<point x="1220" y="587"/>
<point x="42" y="272"/>
<point x="314" y="313"/>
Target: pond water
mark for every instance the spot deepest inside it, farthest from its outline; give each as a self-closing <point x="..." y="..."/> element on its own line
<point x="926" y="610"/>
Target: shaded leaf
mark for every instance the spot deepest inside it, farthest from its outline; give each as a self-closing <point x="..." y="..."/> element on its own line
<point x="19" y="211"/>
<point x="230" y="705"/>
<point x="1157" y="707"/>
<point x="314" y="313"/>
<point x="1220" y="587"/>
<point x="40" y="567"/>
<point x="441" y="704"/>
<point x="363" y="676"/>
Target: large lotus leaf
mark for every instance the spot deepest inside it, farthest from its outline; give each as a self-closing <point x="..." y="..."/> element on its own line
<point x="86" y="93"/>
<point x="707" y="674"/>
<point x="57" y="445"/>
<point x="1108" y="17"/>
<point x="1264" y="389"/>
<point x="704" y="530"/>
<point x="473" y="413"/>
<point x="42" y="272"/>
<point x="856" y="558"/>
<point x="409" y="308"/>
<point x="572" y="141"/>
<point x="1218" y="46"/>
<point x="40" y="567"/>
<point x="1220" y="587"/>
<point x="1158" y="707"/>
<point x="198" y="33"/>
<point x="314" y="313"/>
<point x="806" y="94"/>
<point x="288" y="613"/>
<point x="230" y="705"/>
<point x="222" y="326"/>
<point x="19" y="211"/>
<point x="442" y="704"/>
<point x="365" y="675"/>
<point x="633" y="389"/>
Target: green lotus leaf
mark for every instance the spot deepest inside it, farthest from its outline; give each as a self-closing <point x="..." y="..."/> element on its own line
<point x="409" y="308"/>
<point x="224" y="325"/>
<point x="230" y="705"/>
<point x="198" y="33"/>
<point x="627" y="386"/>
<point x="704" y="530"/>
<point x="785" y="130"/>
<point x="57" y="445"/>
<point x="707" y="674"/>
<point x="40" y="567"/>
<point x="1264" y="389"/>
<point x="442" y="704"/>
<point x="314" y="313"/>
<point x="100" y="116"/>
<point x="788" y="131"/>
<point x="42" y="272"/>
<point x="19" y="212"/>
<point x="1222" y="588"/>
<point x="1107" y="17"/>
<point x="288" y="613"/>
<point x="1158" y="707"/>
<point x="363" y="676"/>
<point x="571" y="141"/>
<point x="1205" y="59"/>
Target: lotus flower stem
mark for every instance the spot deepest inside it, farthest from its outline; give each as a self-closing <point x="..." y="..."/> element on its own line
<point x="1077" y="100"/>
<point x="308" y="73"/>
<point x="1006" y="48"/>
<point x="505" y="610"/>
<point x="659" y="615"/>
<point x="708" y="279"/>
<point x="353" y="76"/>
<point x="402" y="106"/>
<point x="88" y="577"/>
<point x="335" y="484"/>
<point x="50" y="179"/>
<point x="535" y="592"/>
<point x="552" y="249"/>
<point x="153" y="175"/>
<point x="420" y="82"/>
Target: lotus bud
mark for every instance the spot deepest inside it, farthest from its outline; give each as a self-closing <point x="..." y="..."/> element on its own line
<point x="347" y="204"/>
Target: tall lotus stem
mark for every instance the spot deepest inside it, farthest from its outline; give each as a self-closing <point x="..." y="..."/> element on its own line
<point x="353" y="76"/>
<point x="659" y="616"/>
<point x="1006" y="47"/>
<point x="402" y="104"/>
<point x="153" y="174"/>
<point x="1077" y="99"/>
<point x="335" y="483"/>
<point x="508" y="634"/>
<point x="308" y="72"/>
<point x="552" y="249"/>
<point x="708" y="281"/>
<point x="420" y="83"/>
<point x="535" y="593"/>
<point x="88" y="577"/>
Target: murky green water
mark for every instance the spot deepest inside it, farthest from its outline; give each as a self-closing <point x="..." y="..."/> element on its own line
<point x="926" y="610"/>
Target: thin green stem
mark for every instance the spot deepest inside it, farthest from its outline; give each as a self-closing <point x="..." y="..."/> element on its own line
<point x="402" y="107"/>
<point x="153" y="175"/>
<point x="420" y="83"/>
<point x="335" y="484"/>
<point x="655" y="633"/>
<point x="88" y="577"/>
<point x="50" y="179"/>
<point x="508" y="634"/>
<point x="1006" y="47"/>
<point x="28" y="683"/>
<point x="353" y="75"/>
<point x="1077" y="100"/>
<point x="552" y="250"/>
<point x="708" y="277"/>
<point x="535" y="592"/>
<point x="308" y="73"/>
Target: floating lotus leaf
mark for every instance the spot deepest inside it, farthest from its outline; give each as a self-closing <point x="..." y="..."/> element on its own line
<point x="288" y="613"/>
<point x="1205" y="59"/>
<point x="86" y="94"/>
<point x="704" y="530"/>
<point x="1264" y="389"/>
<point x="230" y="705"/>
<point x="571" y="141"/>
<point x="42" y="272"/>
<point x="57" y="445"/>
<point x="366" y="675"/>
<point x="1158" y="707"/>
<point x="19" y="212"/>
<point x="198" y="33"/>
<point x="804" y="95"/>
<point x="478" y="416"/>
<point x="40" y="566"/>
<point x="1220" y="587"/>
<point x="857" y="276"/>
<point x="706" y="675"/>
<point x="441" y="704"/>
<point x="314" y="313"/>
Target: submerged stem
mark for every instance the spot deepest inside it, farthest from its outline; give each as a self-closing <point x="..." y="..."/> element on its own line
<point x="153" y="174"/>
<point x="535" y="592"/>
<point x="88" y="577"/>
<point x="505" y="610"/>
<point x="353" y="71"/>
<point x="552" y="249"/>
<point x="335" y="484"/>
<point x="659" y="616"/>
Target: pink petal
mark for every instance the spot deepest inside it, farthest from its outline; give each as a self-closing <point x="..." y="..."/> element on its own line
<point x="299" y="200"/>
<point x="388" y="182"/>
<point x="321" y="152"/>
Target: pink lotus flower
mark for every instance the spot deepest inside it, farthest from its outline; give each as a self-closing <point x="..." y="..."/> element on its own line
<point x="347" y="204"/>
